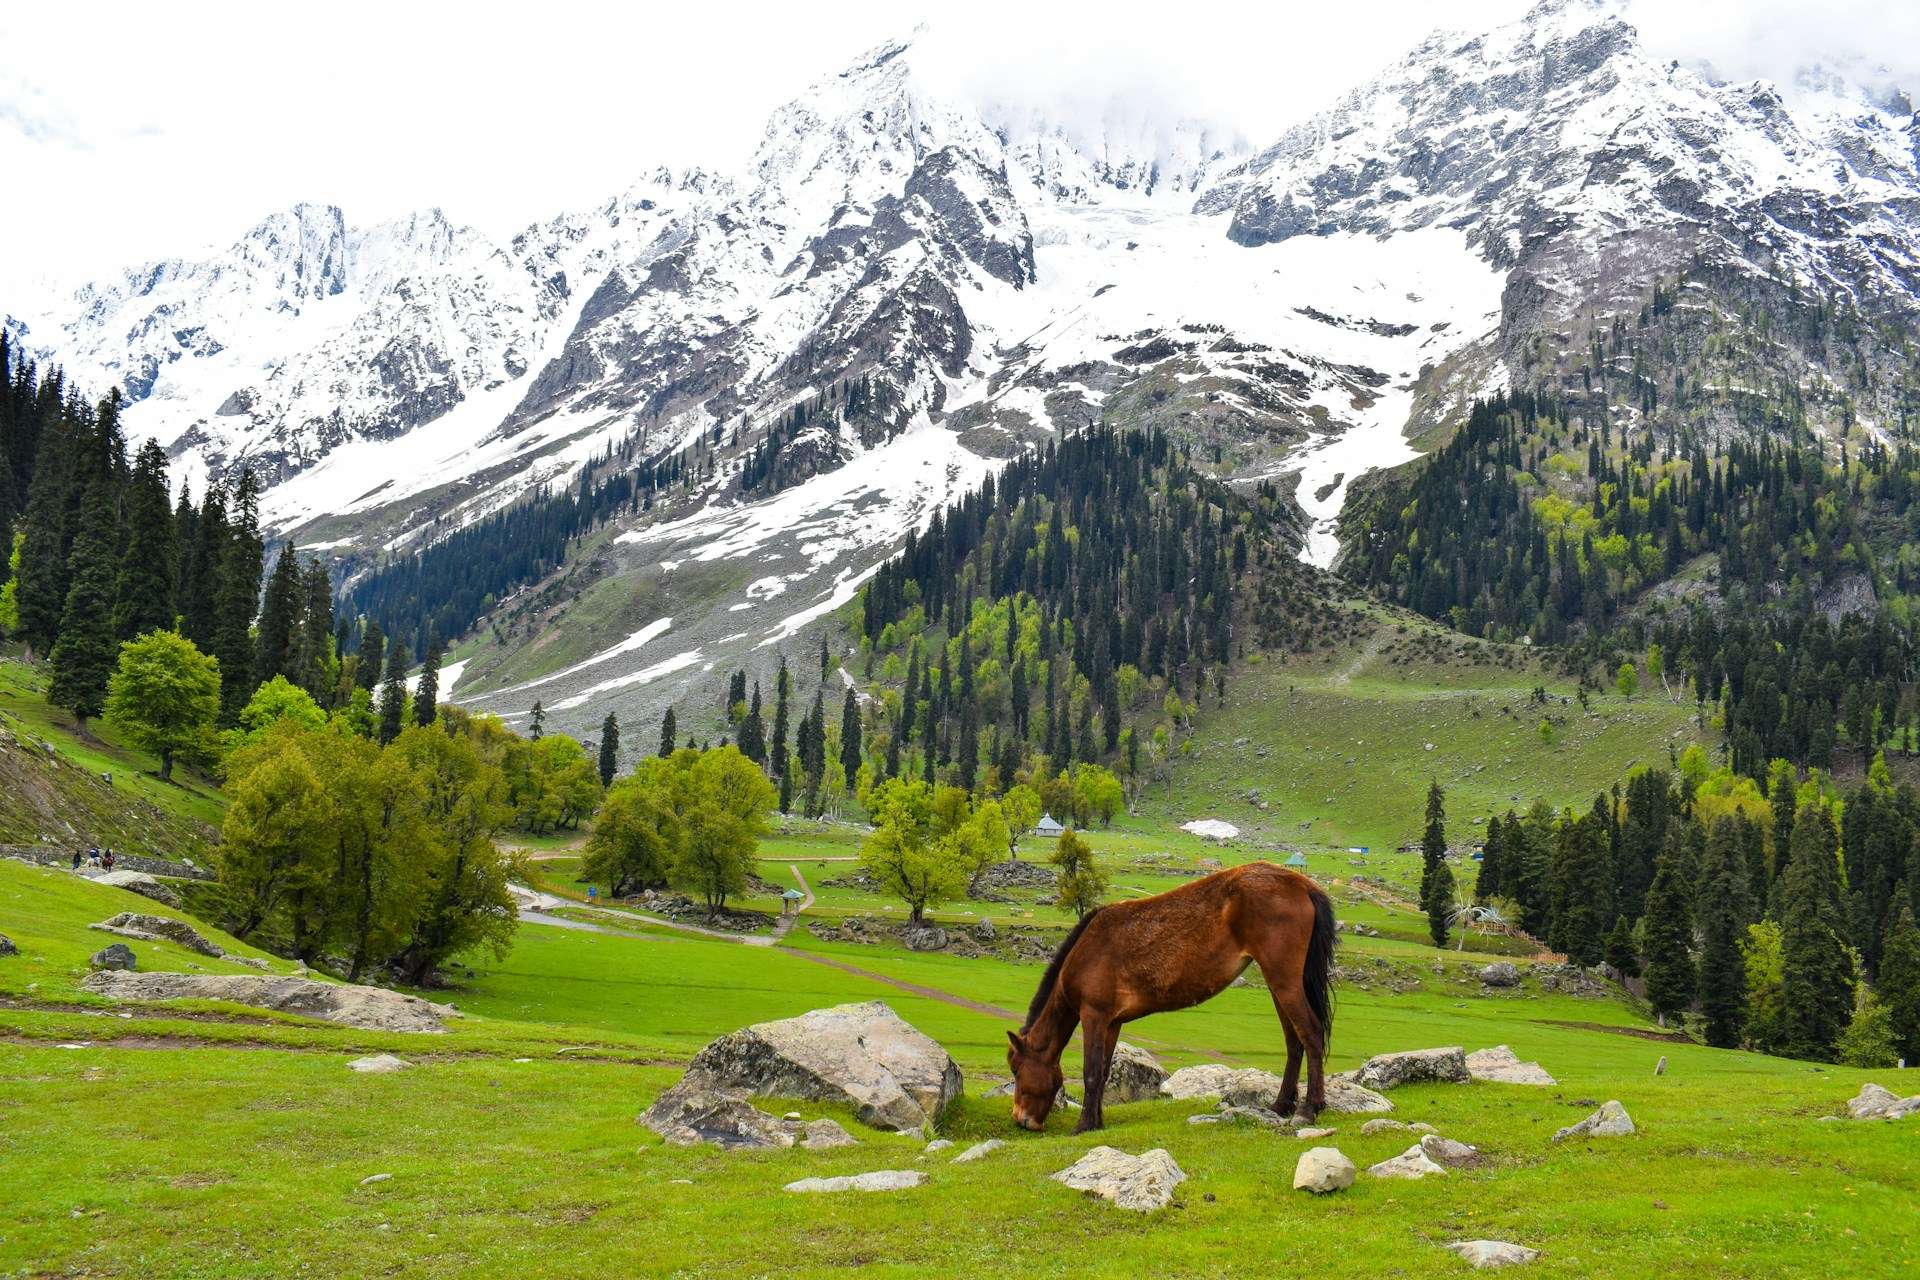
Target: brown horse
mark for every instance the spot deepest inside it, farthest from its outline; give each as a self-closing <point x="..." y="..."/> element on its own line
<point x="1171" y="951"/>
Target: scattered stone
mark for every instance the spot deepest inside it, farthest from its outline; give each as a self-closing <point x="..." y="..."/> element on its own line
<point x="863" y="1055"/>
<point x="1876" y="1103"/>
<point x="1136" y="1075"/>
<point x="6" y="946"/>
<point x="1449" y="1154"/>
<point x="114" y="957"/>
<point x="1421" y="1126"/>
<point x="141" y="883"/>
<point x="979" y="1151"/>
<point x="1500" y="1065"/>
<point x="1660" y="1067"/>
<point x="1411" y="1163"/>
<point x="147" y="928"/>
<point x="1323" y="1170"/>
<point x="1344" y="1095"/>
<point x="372" y="1178"/>
<point x="824" y="1134"/>
<point x="1142" y="1183"/>
<point x="1372" y="1127"/>
<point x="379" y="1064"/>
<point x="1610" y="1121"/>
<point x="1483" y="1254"/>
<point x="369" y="1008"/>
<point x="1501" y="973"/>
<point x="939" y="1144"/>
<point x="1417" y="1066"/>
<point x="880" y="1180"/>
<point x="1204" y="1119"/>
<point x="691" y="1113"/>
<point x="928" y="937"/>
<point x="1314" y="1133"/>
<point x="791" y="1115"/>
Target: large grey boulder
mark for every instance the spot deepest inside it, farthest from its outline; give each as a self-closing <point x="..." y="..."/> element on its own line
<point x="1417" y="1066"/>
<point x="1876" y="1103"/>
<point x="150" y="928"/>
<point x="1610" y="1121"/>
<point x="1253" y="1088"/>
<point x="1141" y="1183"/>
<point x="1449" y="1154"/>
<point x="1486" y="1254"/>
<point x="115" y="956"/>
<point x="689" y="1114"/>
<point x="369" y="1008"/>
<point x="141" y="883"/>
<point x="1500" y="1065"/>
<point x="879" y="1180"/>
<point x="1136" y="1075"/>
<point x="1501" y="973"/>
<point x="1323" y="1169"/>
<point x="863" y="1055"/>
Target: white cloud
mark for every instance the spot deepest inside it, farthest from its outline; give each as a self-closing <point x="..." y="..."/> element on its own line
<point x="153" y="129"/>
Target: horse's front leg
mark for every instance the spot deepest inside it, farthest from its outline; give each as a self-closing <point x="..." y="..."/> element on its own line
<point x="1097" y="1037"/>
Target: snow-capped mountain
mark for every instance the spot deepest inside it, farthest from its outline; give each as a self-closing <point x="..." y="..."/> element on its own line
<point x="989" y="277"/>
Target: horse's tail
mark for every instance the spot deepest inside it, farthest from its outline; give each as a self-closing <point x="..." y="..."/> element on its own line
<point x="1318" y="974"/>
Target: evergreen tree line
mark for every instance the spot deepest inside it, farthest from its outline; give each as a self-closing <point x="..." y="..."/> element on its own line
<point x="105" y="554"/>
<point x="1784" y="918"/>
<point x="1471" y="540"/>
<point x="1018" y="633"/>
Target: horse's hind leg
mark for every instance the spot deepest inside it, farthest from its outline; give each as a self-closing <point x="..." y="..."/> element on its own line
<point x="1305" y="1038"/>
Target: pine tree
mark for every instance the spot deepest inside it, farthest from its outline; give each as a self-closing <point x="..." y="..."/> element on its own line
<point x="668" y="732"/>
<point x="850" y="736"/>
<point x="313" y="648"/>
<point x="1723" y="918"/>
<point x="1817" y="978"/>
<point x="393" y="694"/>
<point x="237" y="599"/>
<point x="426" y="696"/>
<point x="43" y="558"/>
<point x="537" y="725"/>
<point x="143" y="597"/>
<point x="1486" y="884"/>
<point x="373" y="656"/>
<point x="783" y="691"/>
<point x="83" y="657"/>
<point x="1436" y="881"/>
<point x="609" y="749"/>
<point x="1620" y="953"/>
<point x="1900" y="980"/>
<point x="1581" y="888"/>
<point x="1668" y="925"/>
<point x="753" y="738"/>
<point x="279" y="620"/>
<point x="198" y="603"/>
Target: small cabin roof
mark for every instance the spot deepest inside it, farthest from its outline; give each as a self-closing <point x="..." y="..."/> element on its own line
<point x="1297" y="859"/>
<point x="1047" y="823"/>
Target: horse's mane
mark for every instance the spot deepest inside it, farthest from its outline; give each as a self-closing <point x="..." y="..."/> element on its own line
<point x="1052" y="975"/>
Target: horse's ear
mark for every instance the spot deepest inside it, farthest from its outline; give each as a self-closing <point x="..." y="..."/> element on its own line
<point x="1019" y="1045"/>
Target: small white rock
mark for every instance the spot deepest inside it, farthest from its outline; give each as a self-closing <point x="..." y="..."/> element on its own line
<point x="1323" y="1170"/>
<point x="372" y="1178"/>
<point x="979" y="1151"/>
<point x="378" y="1064"/>
<point x="1493" y="1253"/>
<point x="879" y="1180"/>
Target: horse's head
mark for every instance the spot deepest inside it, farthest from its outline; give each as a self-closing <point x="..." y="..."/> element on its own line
<point x="1036" y="1082"/>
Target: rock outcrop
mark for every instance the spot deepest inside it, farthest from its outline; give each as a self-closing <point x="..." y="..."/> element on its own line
<point x="141" y="883"/>
<point x="863" y="1055"/>
<point x="369" y="1008"/>
<point x="150" y="928"/>
<point x="1417" y="1066"/>
<point x="879" y="1180"/>
<point x="114" y="957"/>
<point x="1485" y="1254"/>
<point x="1141" y="1183"/>
<point x="1874" y="1102"/>
<point x="1610" y="1121"/>
<point x="1136" y="1075"/>
<point x="690" y="1114"/>
<point x="1500" y="1065"/>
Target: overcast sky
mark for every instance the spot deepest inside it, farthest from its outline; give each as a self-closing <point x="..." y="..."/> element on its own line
<point x="137" y="130"/>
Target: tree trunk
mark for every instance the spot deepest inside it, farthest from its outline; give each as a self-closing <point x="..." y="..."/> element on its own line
<point x="166" y="766"/>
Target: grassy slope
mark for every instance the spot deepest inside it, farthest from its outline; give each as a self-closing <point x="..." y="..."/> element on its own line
<point x="64" y="799"/>
<point x="535" y="1168"/>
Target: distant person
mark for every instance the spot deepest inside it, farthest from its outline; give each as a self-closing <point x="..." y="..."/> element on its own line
<point x="108" y="860"/>
<point x="76" y="859"/>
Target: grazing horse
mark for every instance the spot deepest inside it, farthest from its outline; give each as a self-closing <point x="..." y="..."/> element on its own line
<point x="1171" y="951"/>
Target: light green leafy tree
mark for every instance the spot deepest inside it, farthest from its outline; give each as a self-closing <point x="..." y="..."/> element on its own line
<point x="164" y="695"/>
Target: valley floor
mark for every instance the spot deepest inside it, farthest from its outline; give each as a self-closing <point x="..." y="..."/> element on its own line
<point x="211" y="1141"/>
